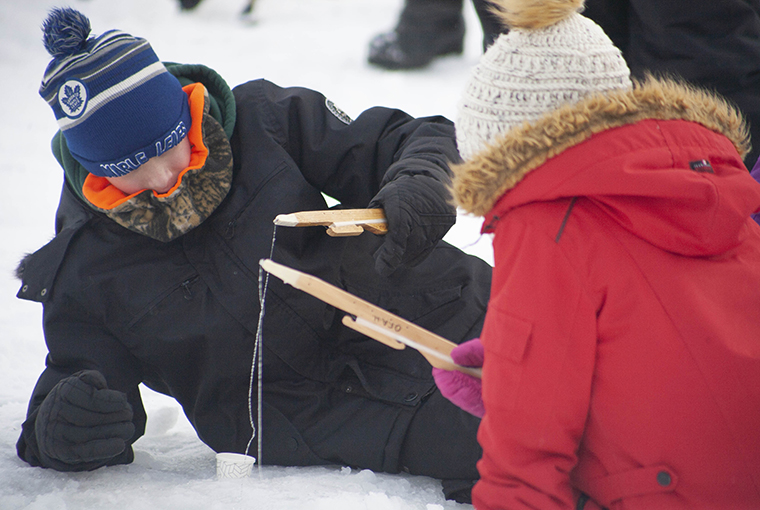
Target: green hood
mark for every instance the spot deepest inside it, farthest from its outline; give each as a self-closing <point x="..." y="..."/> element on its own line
<point x="222" y="108"/>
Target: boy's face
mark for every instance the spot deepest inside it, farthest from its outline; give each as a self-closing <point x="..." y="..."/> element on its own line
<point x="158" y="174"/>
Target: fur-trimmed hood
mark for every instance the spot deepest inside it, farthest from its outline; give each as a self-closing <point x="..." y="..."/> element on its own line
<point x="663" y="160"/>
<point x="480" y="182"/>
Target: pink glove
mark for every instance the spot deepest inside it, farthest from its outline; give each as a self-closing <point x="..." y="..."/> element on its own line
<point x="462" y="389"/>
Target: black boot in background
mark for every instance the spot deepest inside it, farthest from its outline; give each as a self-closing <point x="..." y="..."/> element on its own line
<point x="188" y="5"/>
<point x="426" y="29"/>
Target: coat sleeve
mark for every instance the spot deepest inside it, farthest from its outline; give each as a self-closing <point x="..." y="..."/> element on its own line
<point x="540" y="345"/>
<point x="75" y="343"/>
<point x="344" y="158"/>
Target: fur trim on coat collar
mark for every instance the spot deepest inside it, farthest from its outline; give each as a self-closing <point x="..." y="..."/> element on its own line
<point x="481" y="181"/>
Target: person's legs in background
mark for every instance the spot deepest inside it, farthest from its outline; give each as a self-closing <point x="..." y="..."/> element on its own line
<point x="492" y="26"/>
<point x="428" y="29"/>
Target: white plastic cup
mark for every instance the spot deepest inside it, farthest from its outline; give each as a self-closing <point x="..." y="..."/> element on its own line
<point x="234" y="465"/>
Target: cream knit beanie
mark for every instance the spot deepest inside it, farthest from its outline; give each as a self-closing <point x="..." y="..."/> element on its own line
<point x="550" y="57"/>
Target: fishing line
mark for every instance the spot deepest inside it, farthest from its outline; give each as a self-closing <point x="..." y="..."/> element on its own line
<point x="257" y="362"/>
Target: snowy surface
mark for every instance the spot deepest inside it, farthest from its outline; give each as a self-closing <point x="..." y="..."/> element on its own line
<point x="319" y="44"/>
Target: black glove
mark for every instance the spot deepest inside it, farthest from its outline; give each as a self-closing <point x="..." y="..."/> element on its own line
<point x="81" y="421"/>
<point x="419" y="211"/>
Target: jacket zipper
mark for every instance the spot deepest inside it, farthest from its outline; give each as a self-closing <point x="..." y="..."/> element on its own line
<point x="186" y="287"/>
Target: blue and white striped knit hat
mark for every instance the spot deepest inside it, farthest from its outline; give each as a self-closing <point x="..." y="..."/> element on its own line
<point x="115" y="102"/>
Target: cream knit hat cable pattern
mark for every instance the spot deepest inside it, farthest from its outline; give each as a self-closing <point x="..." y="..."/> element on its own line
<point x="528" y="72"/>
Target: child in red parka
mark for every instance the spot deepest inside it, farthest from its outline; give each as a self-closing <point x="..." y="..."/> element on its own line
<point x="621" y="346"/>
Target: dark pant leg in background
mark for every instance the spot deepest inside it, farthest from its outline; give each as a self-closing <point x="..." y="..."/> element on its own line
<point x="489" y="22"/>
<point x="426" y="29"/>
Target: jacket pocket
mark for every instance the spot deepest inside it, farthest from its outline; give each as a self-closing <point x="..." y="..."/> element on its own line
<point x="426" y="307"/>
<point x="172" y="298"/>
<point x="634" y="483"/>
<point x="506" y="340"/>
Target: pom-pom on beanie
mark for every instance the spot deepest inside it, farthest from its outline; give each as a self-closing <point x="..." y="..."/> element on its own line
<point x="116" y="104"/>
<point x="551" y="56"/>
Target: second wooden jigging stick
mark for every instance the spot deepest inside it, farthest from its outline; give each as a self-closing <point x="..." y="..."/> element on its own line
<point x="372" y="320"/>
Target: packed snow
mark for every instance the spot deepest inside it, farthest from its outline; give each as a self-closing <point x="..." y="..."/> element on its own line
<point x="320" y="44"/>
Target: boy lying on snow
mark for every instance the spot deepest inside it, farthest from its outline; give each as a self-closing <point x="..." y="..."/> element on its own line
<point x="172" y="181"/>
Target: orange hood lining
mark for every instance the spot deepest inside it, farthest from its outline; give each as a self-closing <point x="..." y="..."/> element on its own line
<point x="104" y="195"/>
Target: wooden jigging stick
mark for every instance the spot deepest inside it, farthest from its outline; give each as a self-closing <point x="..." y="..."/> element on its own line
<point x="371" y="320"/>
<point x="339" y="222"/>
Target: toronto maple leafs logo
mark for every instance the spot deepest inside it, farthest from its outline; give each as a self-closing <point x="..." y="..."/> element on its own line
<point x="73" y="98"/>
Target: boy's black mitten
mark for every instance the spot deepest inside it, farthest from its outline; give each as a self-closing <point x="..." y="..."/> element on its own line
<point x="82" y="421"/>
<point x="419" y="212"/>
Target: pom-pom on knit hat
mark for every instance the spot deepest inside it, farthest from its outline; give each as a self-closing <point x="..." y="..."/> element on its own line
<point x="115" y="102"/>
<point x="551" y="56"/>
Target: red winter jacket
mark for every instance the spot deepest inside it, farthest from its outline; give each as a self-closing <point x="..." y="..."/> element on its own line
<point x="622" y="340"/>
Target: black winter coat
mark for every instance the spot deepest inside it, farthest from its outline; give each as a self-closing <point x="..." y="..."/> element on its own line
<point x="714" y="45"/>
<point x="181" y="316"/>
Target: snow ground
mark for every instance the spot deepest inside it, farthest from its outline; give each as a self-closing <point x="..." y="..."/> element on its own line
<point x="319" y="44"/>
